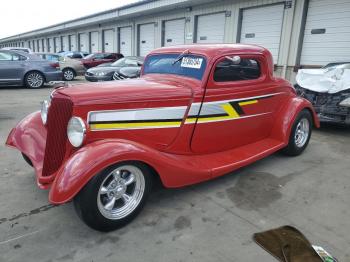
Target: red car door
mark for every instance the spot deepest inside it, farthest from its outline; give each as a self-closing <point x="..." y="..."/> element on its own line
<point x="239" y="105"/>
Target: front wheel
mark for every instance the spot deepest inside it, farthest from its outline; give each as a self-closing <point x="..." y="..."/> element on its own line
<point x="115" y="196"/>
<point x="300" y="134"/>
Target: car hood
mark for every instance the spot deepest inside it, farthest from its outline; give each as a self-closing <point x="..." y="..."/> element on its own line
<point x="324" y="80"/>
<point x="145" y="89"/>
<point x="106" y="69"/>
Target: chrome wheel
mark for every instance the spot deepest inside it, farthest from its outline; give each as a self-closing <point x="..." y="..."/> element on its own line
<point x="121" y="192"/>
<point x="35" y="80"/>
<point x="302" y="132"/>
<point x="68" y="75"/>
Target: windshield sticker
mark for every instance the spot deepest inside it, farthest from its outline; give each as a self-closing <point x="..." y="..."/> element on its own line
<point x="190" y="62"/>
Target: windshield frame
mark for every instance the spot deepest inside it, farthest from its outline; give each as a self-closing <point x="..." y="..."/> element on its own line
<point x="176" y="55"/>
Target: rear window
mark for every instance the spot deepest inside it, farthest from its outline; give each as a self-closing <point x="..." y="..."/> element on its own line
<point x="188" y="65"/>
<point x="227" y="70"/>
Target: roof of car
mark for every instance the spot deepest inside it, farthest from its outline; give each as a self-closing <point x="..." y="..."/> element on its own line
<point x="212" y="49"/>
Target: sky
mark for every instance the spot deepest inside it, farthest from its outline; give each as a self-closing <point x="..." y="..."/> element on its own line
<point x="26" y="15"/>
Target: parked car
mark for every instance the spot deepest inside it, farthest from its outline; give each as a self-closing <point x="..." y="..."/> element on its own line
<point x="127" y="73"/>
<point x="73" y="54"/>
<point x="69" y="67"/>
<point x="105" y="72"/>
<point x="96" y="59"/>
<point x="183" y="121"/>
<point x="23" y="49"/>
<point x="20" y="68"/>
<point x="328" y="89"/>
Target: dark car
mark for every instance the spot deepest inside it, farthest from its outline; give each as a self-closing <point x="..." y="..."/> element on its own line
<point x="20" y="68"/>
<point x="96" y="59"/>
<point x="328" y="89"/>
<point x="105" y="73"/>
<point x="127" y="73"/>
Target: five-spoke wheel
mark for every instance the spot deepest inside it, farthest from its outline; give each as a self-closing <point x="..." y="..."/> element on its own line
<point x="115" y="196"/>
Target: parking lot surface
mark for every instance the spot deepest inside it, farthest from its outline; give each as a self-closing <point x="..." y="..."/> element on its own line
<point x="212" y="221"/>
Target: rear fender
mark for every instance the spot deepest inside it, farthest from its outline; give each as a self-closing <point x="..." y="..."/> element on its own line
<point x="95" y="157"/>
<point x="288" y="115"/>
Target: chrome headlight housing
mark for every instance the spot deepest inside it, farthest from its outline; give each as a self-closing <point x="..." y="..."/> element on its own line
<point x="76" y="131"/>
<point x="345" y="102"/>
<point x="44" y="111"/>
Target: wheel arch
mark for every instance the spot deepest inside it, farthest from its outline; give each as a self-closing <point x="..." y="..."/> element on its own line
<point x="71" y="68"/>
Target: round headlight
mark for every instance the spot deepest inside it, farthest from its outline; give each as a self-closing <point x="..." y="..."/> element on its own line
<point x="44" y="111"/>
<point x="76" y="131"/>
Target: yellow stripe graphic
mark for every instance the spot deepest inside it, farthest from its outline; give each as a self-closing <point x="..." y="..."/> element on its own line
<point x="133" y="125"/>
<point x="248" y="102"/>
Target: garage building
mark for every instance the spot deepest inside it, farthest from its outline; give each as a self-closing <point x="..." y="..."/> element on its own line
<point x="299" y="33"/>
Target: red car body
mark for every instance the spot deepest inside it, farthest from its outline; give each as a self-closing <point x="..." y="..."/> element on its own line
<point x="183" y="151"/>
<point x="100" y="58"/>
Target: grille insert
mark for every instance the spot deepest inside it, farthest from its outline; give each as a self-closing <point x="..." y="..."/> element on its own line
<point x="60" y="112"/>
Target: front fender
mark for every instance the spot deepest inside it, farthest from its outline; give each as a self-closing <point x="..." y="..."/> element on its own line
<point x="174" y="170"/>
<point x="288" y="115"/>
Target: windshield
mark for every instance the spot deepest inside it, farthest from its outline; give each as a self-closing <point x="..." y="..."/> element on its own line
<point x="189" y="65"/>
<point x="125" y="62"/>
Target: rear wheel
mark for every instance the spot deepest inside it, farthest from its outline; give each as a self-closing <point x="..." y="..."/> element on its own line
<point x="68" y="74"/>
<point x="300" y="134"/>
<point x="34" y="79"/>
<point x="115" y="196"/>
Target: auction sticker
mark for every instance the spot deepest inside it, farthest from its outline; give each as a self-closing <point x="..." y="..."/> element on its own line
<point x="191" y="62"/>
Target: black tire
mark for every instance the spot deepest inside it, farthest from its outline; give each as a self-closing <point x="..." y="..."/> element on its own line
<point x="293" y="148"/>
<point x="34" y="80"/>
<point x="29" y="162"/>
<point x="68" y="74"/>
<point x="87" y="202"/>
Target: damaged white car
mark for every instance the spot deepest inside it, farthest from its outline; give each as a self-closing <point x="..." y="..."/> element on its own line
<point x="328" y="89"/>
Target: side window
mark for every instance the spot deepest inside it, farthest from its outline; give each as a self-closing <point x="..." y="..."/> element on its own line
<point x="77" y="55"/>
<point x="98" y="56"/>
<point x="5" y="56"/>
<point x="236" y="69"/>
<point x="109" y="56"/>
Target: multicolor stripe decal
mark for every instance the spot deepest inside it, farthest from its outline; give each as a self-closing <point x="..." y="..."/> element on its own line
<point x="172" y="117"/>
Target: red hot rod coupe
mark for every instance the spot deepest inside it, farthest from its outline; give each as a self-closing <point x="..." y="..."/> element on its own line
<point x="196" y="113"/>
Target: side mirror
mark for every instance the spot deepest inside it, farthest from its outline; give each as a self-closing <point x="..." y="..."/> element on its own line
<point x="236" y="60"/>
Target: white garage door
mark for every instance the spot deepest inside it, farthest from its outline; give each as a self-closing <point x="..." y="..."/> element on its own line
<point x="51" y="46"/>
<point x="327" y="32"/>
<point x="174" y="32"/>
<point x="125" y="46"/>
<point x="263" y="26"/>
<point x="94" y="42"/>
<point x="108" y="40"/>
<point x="45" y="45"/>
<point x="65" y="43"/>
<point x="73" y="43"/>
<point x="211" y="28"/>
<point x="83" y="42"/>
<point x="146" y="39"/>
<point x="58" y="45"/>
<point x="40" y="46"/>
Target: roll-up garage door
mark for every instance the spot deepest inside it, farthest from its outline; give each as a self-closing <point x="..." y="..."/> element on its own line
<point x="72" y="43"/>
<point x="211" y="28"/>
<point x="94" y="42"/>
<point x="39" y="45"/>
<point x="146" y="39"/>
<point x="45" y="45"/>
<point x="174" y="32"/>
<point x="58" y="46"/>
<point x="65" y="43"/>
<point x="125" y="46"/>
<point x="51" y="46"/>
<point x="83" y="42"/>
<point x="108" y="40"/>
<point x="327" y="33"/>
<point x="263" y="26"/>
